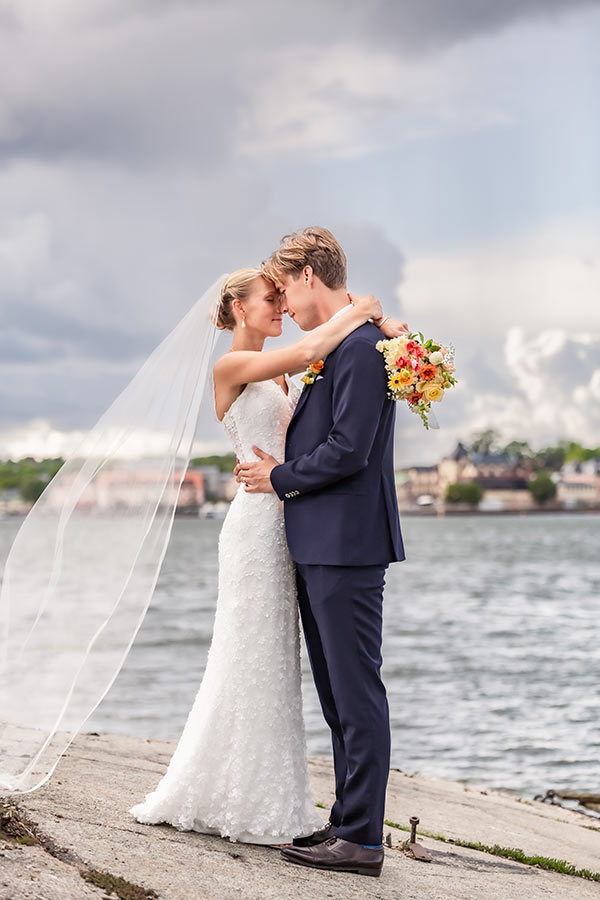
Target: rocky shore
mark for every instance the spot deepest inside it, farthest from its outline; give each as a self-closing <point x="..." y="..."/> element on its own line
<point x="73" y="838"/>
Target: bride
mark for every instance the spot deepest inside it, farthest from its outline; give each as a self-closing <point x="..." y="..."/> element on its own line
<point x="239" y="768"/>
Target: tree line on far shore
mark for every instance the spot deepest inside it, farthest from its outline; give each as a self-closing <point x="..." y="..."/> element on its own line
<point x="30" y="476"/>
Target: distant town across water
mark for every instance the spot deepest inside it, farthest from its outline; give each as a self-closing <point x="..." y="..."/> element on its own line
<point x="480" y="475"/>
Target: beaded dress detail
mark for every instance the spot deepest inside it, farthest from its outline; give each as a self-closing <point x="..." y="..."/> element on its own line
<point x="240" y="768"/>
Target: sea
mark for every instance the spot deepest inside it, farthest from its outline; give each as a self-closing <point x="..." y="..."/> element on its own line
<point x="491" y="649"/>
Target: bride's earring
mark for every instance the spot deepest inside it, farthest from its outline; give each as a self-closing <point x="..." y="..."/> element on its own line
<point x="244" y="322"/>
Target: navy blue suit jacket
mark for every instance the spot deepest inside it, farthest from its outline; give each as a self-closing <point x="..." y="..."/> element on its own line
<point x="337" y="480"/>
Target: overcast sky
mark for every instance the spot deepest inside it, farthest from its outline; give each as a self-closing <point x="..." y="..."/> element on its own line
<point x="147" y="146"/>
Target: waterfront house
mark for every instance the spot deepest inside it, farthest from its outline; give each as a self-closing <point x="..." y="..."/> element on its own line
<point x="579" y="484"/>
<point x="417" y="486"/>
<point x="503" y="478"/>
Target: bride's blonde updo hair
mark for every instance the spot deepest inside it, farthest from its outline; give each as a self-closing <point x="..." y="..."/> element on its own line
<point x="237" y="287"/>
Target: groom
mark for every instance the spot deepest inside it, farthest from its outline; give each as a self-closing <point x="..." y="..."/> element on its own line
<point x="343" y="530"/>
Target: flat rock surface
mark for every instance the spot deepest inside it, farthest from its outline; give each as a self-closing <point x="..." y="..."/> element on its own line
<point x="82" y="814"/>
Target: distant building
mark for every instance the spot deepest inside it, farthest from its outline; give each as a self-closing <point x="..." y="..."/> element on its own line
<point x="217" y="485"/>
<point x="191" y="494"/>
<point x="11" y="503"/>
<point x="579" y="484"/>
<point x="414" y="483"/>
<point x="452" y="468"/>
<point x="504" y="480"/>
<point x="132" y="486"/>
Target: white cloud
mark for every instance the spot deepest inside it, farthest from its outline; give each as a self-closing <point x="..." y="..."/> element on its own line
<point x="541" y="399"/>
<point x="352" y="100"/>
<point x="354" y="97"/>
<point x="549" y="276"/>
<point x="40" y="439"/>
<point x="24" y="248"/>
<point x="37" y="438"/>
<point x="524" y="317"/>
<point x="549" y="401"/>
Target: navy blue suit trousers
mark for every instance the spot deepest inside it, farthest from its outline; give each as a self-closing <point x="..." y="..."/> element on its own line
<point x="341" y="611"/>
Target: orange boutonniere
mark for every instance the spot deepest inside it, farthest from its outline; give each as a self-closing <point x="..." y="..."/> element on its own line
<point x="313" y="372"/>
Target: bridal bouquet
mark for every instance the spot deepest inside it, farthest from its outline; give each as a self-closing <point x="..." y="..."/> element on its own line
<point x="419" y="371"/>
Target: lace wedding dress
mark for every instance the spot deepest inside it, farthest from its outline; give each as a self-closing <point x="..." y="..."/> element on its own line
<point x="239" y="769"/>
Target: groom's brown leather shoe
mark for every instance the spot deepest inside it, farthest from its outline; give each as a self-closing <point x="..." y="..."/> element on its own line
<point x="337" y="855"/>
<point x="317" y="837"/>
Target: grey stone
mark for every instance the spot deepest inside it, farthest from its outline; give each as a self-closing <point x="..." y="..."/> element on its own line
<point x="82" y="814"/>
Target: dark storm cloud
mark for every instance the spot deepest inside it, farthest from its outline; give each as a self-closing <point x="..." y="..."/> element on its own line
<point x="137" y="82"/>
<point x="134" y="93"/>
<point x="34" y="332"/>
<point x="70" y="396"/>
<point x="406" y="23"/>
<point x="422" y="26"/>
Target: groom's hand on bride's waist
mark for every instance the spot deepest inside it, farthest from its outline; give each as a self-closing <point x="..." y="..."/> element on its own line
<point x="257" y="475"/>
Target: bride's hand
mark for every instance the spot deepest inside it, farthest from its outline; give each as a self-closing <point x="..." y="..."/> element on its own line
<point x="368" y="305"/>
<point x="393" y="327"/>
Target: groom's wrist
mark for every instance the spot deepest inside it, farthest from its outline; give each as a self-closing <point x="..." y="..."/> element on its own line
<point x="275" y="478"/>
<point x="284" y="492"/>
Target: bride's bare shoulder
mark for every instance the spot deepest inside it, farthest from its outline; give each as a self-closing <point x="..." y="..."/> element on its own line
<point x="230" y="362"/>
<point x="224" y="364"/>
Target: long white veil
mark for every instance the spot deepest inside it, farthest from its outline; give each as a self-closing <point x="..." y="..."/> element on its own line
<point x="83" y="566"/>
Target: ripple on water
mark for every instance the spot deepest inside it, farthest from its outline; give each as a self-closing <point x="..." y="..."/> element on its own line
<point x="491" y="641"/>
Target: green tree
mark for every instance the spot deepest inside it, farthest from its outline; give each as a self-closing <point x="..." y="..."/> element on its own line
<point x="464" y="492"/>
<point x="486" y="441"/>
<point x="50" y="466"/>
<point x="31" y="487"/>
<point x="225" y="462"/>
<point x="518" y="450"/>
<point x="10" y="474"/>
<point x="549" y="459"/>
<point x="542" y="488"/>
<point x="575" y="452"/>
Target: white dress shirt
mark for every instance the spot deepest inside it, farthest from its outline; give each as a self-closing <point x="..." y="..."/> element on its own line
<point x="340" y="312"/>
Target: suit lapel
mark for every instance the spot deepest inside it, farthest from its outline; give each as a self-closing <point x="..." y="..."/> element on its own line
<point x="304" y="395"/>
<point x="301" y="401"/>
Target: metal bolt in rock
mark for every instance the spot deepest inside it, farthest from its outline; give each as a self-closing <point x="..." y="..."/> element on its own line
<point x="417" y="851"/>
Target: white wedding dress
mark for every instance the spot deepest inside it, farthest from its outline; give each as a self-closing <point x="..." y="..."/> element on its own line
<point x="240" y="768"/>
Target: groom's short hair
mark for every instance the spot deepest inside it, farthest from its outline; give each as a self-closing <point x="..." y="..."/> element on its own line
<point x="315" y="247"/>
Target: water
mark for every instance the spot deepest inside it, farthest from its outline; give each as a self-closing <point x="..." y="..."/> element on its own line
<point x="491" y="649"/>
